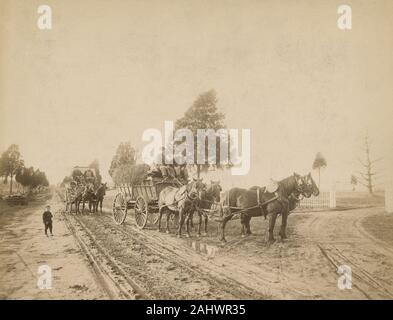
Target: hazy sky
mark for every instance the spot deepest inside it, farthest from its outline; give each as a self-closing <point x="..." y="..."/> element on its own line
<point x="110" y="69"/>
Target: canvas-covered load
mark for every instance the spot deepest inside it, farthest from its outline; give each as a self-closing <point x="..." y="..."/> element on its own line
<point x="82" y="175"/>
<point x="150" y="188"/>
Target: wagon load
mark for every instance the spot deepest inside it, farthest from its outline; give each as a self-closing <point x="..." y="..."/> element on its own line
<point x="138" y="188"/>
<point x="76" y="183"/>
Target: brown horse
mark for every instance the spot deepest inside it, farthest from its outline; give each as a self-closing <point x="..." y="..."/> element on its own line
<point x="310" y="187"/>
<point x="182" y="200"/>
<point x="238" y="199"/>
<point x="69" y="199"/>
<point x="209" y="197"/>
<point x="88" y="195"/>
<point x="98" y="198"/>
<point x="73" y="196"/>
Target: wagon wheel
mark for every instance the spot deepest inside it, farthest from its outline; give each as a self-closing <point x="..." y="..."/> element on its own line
<point x="119" y="208"/>
<point x="141" y="212"/>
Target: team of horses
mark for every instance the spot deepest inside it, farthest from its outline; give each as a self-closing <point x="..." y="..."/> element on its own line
<point x="90" y="193"/>
<point x="198" y="197"/>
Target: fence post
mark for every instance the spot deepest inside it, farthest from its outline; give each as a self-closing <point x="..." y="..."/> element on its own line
<point x="332" y="197"/>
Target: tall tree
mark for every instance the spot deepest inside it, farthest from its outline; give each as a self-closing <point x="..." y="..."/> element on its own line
<point x="11" y="163"/>
<point x="368" y="173"/>
<point x="203" y="114"/>
<point x="125" y="155"/>
<point x="319" y="162"/>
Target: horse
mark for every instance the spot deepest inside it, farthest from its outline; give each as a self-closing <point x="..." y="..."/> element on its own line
<point x="209" y="196"/>
<point x="183" y="200"/>
<point x="310" y="187"/>
<point x="98" y="198"/>
<point x="88" y="195"/>
<point x="238" y="199"/>
<point x="73" y="196"/>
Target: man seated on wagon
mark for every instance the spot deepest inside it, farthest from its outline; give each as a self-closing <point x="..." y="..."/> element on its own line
<point x="184" y="173"/>
<point x="177" y="170"/>
<point x="181" y="173"/>
<point x="164" y="171"/>
<point x="154" y="171"/>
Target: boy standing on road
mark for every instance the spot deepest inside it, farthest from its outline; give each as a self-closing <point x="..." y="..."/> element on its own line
<point x="47" y="219"/>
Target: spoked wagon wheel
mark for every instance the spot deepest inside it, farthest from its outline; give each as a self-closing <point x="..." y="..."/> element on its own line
<point x="141" y="212"/>
<point x="119" y="208"/>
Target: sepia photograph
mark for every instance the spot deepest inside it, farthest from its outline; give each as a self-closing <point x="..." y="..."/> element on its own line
<point x="196" y="150"/>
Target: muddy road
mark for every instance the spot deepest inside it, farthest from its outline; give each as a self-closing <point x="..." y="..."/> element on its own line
<point x="24" y="248"/>
<point x="127" y="263"/>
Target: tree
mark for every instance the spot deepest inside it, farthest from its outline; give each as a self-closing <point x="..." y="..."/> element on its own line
<point x="29" y="177"/>
<point x="125" y="155"/>
<point x="319" y="162"/>
<point x="354" y="182"/>
<point x="23" y="177"/>
<point x="11" y="163"/>
<point x="95" y="165"/>
<point x="368" y="173"/>
<point x="203" y="114"/>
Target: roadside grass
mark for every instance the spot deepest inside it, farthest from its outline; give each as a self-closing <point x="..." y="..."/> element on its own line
<point x="359" y="199"/>
<point x="380" y="226"/>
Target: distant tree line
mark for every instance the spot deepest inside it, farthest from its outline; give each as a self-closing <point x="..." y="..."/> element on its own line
<point x="13" y="167"/>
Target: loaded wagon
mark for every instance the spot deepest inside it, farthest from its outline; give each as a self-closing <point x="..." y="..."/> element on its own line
<point x="142" y="199"/>
<point x="79" y="178"/>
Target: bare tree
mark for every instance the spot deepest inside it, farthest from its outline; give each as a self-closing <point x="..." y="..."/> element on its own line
<point x="368" y="173"/>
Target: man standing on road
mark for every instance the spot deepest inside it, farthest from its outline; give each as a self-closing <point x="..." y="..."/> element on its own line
<point x="47" y="219"/>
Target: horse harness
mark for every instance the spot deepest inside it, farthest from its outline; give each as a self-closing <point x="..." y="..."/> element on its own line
<point x="262" y="205"/>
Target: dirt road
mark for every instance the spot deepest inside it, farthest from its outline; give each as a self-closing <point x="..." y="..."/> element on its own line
<point x="24" y="247"/>
<point x="128" y="263"/>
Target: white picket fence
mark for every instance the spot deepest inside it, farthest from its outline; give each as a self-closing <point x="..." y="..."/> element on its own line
<point x="325" y="200"/>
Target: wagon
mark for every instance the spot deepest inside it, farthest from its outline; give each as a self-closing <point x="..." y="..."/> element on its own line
<point x="79" y="176"/>
<point x="142" y="198"/>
